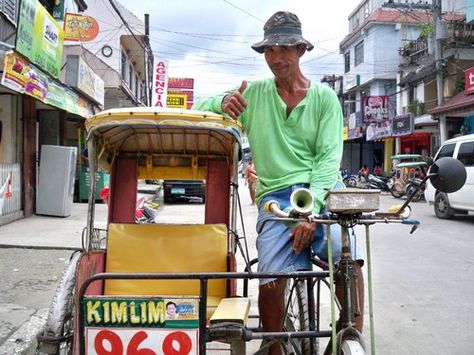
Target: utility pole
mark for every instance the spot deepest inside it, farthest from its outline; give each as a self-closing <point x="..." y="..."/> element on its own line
<point x="437" y="22"/>
<point x="147" y="60"/>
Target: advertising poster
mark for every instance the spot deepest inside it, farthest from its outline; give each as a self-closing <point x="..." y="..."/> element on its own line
<point x="376" y="117"/>
<point x="39" y="37"/>
<point x="354" y="127"/>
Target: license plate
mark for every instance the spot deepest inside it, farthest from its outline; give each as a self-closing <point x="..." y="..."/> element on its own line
<point x="177" y="190"/>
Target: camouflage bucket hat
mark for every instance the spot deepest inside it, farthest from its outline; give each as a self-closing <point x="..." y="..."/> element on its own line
<point x="282" y="29"/>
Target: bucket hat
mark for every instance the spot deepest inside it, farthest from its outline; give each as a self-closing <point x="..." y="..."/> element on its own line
<point x="282" y="29"/>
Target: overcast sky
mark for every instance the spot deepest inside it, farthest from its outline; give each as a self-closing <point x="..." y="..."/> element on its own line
<point x="209" y="40"/>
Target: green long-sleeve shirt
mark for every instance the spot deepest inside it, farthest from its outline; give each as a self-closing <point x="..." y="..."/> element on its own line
<point x="305" y="147"/>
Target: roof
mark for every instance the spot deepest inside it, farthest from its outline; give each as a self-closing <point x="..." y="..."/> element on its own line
<point x="458" y="102"/>
<point x="164" y="137"/>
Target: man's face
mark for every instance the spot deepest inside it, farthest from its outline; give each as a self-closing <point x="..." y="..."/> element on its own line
<point x="283" y="60"/>
<point x="171" y="309"/>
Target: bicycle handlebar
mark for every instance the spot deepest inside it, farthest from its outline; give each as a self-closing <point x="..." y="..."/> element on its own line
<point x="337" y="218"/>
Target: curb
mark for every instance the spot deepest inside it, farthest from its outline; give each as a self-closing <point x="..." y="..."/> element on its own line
<point x="23" y="341"/>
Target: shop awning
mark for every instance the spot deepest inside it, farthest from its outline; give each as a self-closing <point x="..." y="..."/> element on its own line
<point x="459" y="105"/>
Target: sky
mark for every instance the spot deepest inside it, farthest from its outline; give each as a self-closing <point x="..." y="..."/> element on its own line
<point x="209" y="40"/>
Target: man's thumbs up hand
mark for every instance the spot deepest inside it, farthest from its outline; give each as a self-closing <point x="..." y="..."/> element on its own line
<point x="234" y="104"/>
<point x="243" y="86"/>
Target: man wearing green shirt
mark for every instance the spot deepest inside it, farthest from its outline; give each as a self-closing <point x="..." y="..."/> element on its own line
<point x="294" y="127"/>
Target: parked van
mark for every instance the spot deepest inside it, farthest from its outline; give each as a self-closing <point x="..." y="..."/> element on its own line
<point x="462" y="201"/>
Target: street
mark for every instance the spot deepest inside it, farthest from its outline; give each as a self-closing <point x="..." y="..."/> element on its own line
<point x="422" y="282"/>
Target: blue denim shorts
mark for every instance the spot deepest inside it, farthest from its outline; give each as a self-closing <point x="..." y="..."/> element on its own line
<point x="275" y="247"/>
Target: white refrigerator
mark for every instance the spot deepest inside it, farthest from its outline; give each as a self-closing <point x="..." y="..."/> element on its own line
<point x="57" y="173"/>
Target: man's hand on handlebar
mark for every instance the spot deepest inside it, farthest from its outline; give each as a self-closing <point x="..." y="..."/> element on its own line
<point x="234" y="104"/>
<point x="303" y="236"/>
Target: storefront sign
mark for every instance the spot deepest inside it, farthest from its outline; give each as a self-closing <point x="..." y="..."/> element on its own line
<point x="378" y="130"/>
<point x="181" y="83"/>
<point x="354" y="130"/>
<point x="469" y="81"/>
<point x="23" y="77"/>
<point x="182" y="86"/>
<point x="79" y="75"/>
<point x="177" y="100"/>
<point x="402" y="125"/>
<point x="351" y="81"/>
<point x="80" y="28"/>
<point x="160" y="83"/>
<point x="375" y="108"/>
<point x="376" y="117"/>
<point x="58" y="10"/>
<point x="39" y="37"/>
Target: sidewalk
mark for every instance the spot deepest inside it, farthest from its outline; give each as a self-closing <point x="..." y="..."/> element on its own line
<point x="40" y="241"/>
<point x="51" y="232"/>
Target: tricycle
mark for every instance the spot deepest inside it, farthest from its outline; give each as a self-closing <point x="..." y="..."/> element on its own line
<point x="408" y="171"/>
<point x="174" y="288"/>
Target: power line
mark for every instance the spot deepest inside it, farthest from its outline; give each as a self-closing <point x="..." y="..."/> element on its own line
<point x="244" y="11"/>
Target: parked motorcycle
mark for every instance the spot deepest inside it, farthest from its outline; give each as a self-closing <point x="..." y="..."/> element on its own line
<point x="383" y="183"/>
<point x="349" y="179"/>
<point x="411" y="189"/>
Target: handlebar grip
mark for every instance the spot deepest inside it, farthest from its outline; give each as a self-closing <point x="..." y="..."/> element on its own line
<point x="267" y="206"/>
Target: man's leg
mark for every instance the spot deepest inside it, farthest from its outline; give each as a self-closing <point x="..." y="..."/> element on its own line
<point x="271" y="304"/>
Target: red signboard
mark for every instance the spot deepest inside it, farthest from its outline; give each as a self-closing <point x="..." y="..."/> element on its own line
<point x="469" y="81"/>
<point x="375" y="108"/>
<point x="181" y="83"/>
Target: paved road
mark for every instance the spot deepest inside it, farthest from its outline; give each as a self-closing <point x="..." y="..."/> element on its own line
<point x="422" y="282"/>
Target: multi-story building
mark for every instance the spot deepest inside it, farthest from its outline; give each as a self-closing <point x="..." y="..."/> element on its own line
<point x="53" y="80"/>
<point x="377" y="31"/>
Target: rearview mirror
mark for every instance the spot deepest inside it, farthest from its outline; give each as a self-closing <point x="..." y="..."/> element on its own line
<point x="447" y="174"/>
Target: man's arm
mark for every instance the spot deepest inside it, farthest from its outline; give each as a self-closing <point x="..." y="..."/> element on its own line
<point x="232" y="102"/>
<point x="329" y="146"/>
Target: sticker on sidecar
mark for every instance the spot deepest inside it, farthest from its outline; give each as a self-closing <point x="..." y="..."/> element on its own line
<point x="134" y="312"/>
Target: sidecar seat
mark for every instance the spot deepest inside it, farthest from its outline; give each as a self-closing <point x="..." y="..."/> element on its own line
<point x="150" y="248"/>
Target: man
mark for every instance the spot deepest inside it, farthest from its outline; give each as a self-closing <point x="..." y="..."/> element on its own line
<point x="294" y="127"/>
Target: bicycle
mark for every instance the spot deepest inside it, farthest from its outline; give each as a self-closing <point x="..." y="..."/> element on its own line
<point x="347" y="208"/>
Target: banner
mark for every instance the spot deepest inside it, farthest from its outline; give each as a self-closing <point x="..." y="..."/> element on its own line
<point x="80" y="28"/>
<point x="23" y="77"/>
<point x="160" y="83"/>
<point x="39" y="37"/>
<point x="376" y="117"/>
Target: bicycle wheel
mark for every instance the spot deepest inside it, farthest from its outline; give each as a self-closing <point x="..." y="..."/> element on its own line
<point x="352" y="347"/>
<point x="57" y="336"/>
<point x="297" y="317"/>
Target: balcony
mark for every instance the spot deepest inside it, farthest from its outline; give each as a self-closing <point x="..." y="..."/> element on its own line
<point x="460" y="35"/>
<point x="412" y="51"/>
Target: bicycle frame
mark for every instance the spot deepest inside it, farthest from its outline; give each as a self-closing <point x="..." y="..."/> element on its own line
<point x="346" y="212"/>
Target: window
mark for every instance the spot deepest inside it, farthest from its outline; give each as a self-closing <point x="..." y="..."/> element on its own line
<point x="446" y="151"/>
<point x="9" y="9"/>
<point x="124" y="65"/>
<point x="131" y="78"/>
<point x="359" y="53"/>
<point x="466" y="153"/>
<point x="137" y="87"/>
<point x="347" y="62"/>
